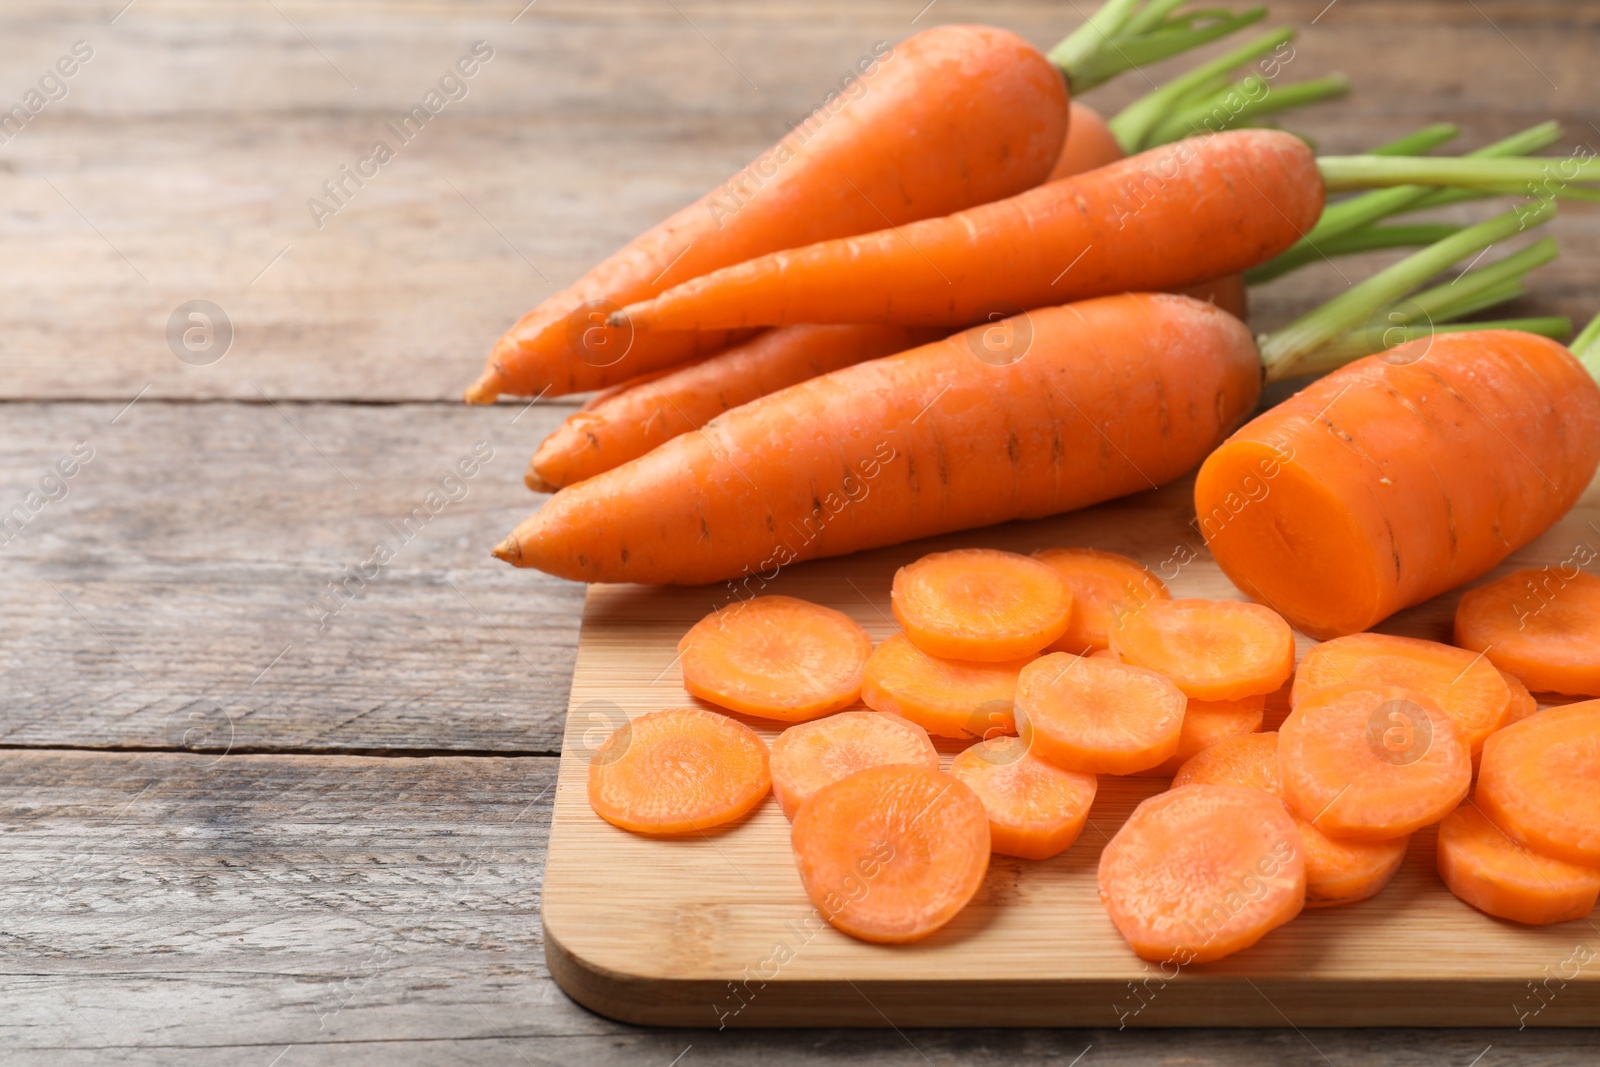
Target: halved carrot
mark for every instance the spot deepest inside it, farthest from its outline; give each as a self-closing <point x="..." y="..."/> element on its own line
<point x="1523" y="704"/>
<point x="1540" y="782"/>
<point x="980" y="604"/>
<point x="1209" y="722"/>
<point x="1337" y="872"/>
<point x="891" y="854"/>
<point x="1036" y="810"/>
<point x="1369" y="762"/>
<point x="776" y="657"/>
<point x="1098" y="716"/>
<point x="1542" y="627"/>
<point x="1200" y="872"/>
<point x="1465" y="685"/>
<point x="1103" y="586"/>
<point x="1494" y="874"/>
<point x="810" y="755"/>
<point x="946" y="697"/>
<point x="1213" y="649"/>
<point x="677" y="772"/>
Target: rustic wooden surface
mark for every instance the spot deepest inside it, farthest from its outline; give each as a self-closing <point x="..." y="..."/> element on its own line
<point x="325" y="844"/>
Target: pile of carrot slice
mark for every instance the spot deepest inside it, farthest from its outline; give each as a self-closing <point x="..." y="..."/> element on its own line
<point x="1381" y="739"/>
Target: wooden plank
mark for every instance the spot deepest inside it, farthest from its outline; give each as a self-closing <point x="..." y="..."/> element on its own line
<point x="716" y="929"/>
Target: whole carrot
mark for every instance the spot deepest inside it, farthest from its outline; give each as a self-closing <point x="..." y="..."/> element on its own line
<point x="952" y="117"/>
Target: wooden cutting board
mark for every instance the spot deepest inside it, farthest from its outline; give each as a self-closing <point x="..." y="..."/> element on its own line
<point x="715" y="930"/>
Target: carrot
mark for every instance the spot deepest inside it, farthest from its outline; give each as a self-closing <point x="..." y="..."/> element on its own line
<point x="953" y="117"/>
<point x="1522" y="703"/>
<point x="1468" y="687"/>
<point x="1079" y="237"/>
<point x="1337" y="872"/>
<point x="1089" y="144"/>
<point x="775" y="657"/>
<point x="1540" y="782"/>
<point x="626" y="422"/>
<point x="980" y="604"/>
<point x="810" y="755"/>
<point x="1499" y="877"/>
<point x="1209" y="722"/>
<point x="892" y="853"/>
<point x="1098" y="716"/>
<point x="1540" y="625"/>
<point x="1103" y="585"/>
<point x="678" y="772"/>
<point x="1369" y="763"/>
<point x="948" y="698"/>
<point x="1036" y="810"/>
<point x="1213" y="649"/>
<point x="1114" y="395"/>
<point x="1201" y="872"/>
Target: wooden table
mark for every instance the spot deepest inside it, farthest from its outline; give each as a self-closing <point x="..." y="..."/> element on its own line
<point x="263" y="802"/>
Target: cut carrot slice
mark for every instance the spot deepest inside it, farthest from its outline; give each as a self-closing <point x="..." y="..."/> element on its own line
<point x="1213" y="649"/>
<point x="1278" y="707"/>
<point x="1036" y="810"/>
<point x="1098" y="716"/>
<point x="892" y="853"/>
<point x="1369" y="763"/>
<point x="1337" y="872"/>
<point x="1494" y="874"/>
<point x="980" y="604"/>
<point x="1464" y="684"/>
<point x="1540" y="625"/>
<point x="1200" y="872"/>
<point x="776" y="657"/>
<point x="1207" y="722"/>
<point x="1540" y="782"/>
<point x="810" y="755"/>
<point x="946" y="697"/>
<point x="1522" y="703"/>
<point x="678" y="771"/>
<point x="1104" y="585"/>
<point x="1105" y="653"/>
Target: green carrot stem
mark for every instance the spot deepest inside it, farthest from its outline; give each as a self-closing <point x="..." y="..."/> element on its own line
<point x="1281" y="350"/>
<point x="1365" y="239"/>
<point x="1342" y="173"/>
<point x="1076" y="47"/>
<point x="1437" y="303"/>
<point x="1243" y="102"/>
<point x="1153" y="16"/>
<point x="1354" y="345"/>
<point x="1133" y="124"/>
<point x="1584" y="346"/>
<point x="1126" y="50"/>
<point x="1472" y="302"/>
<point x="1416" y="144"/>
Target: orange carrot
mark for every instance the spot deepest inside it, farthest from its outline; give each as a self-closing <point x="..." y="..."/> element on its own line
<point x="1089" y="144"/>
<point x="953" y="117"/>
<point x="1201" y="872"/>
<point x="1173" y="216"/>
<point x="1103" y="585"/>
<point x="1210" y="722"/>
<point x="1113" y="395"/>
<point x="1522" y="703"/>
<point x="1540" y="782"/>
<point x="1369" y="763"/>
<point x="1213" y="649"/>
<point x="626" y="422"/>
<point x="948" y="698"/>
<point x="810" y="755"/>
<point x="1499" y="877"/>
<point x="1468" y="687"/>
<point x="1337" y="872"/>
<point x="1543" y="626"/>
<point x="979" y="604"/>
<point x="1098" y="716"/>
<point x="677" y="772"/>
<point x="1036" y="810"/>
<point x="891" y="853"/>
<point x="775" y="657"/>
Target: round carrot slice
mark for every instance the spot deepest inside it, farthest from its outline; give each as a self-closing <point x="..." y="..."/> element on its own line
<point x="1213" y="649"/>
<point x="1466" y="685"/>
<point x="1522" y="703"/>
<point x="1200" y="872"/>
<point x="1369" y="763"/>
<point x="980" y="604"/>
<point x="1540" y="782"/>
<point x="946" y="697"/>
<point x="776" y="657"/>
<point x="1104" y="585"/>
<point x="810" y="755"/>
<point x="1036" y="810"/>
<point x="1499" y="877"/>
<point x="891" y="853"/>
<point x="678" y="771"/>
<point x="1208" y="722"/>
<point x="1250" y="762"/>
<point x="1542" y="627"/>
<point x="1098" y="716"/>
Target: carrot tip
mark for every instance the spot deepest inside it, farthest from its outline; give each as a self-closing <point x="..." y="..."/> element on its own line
<point x="483" y="391"/>
<point x="532" y="480"/>
<point x="509" y="550"/>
